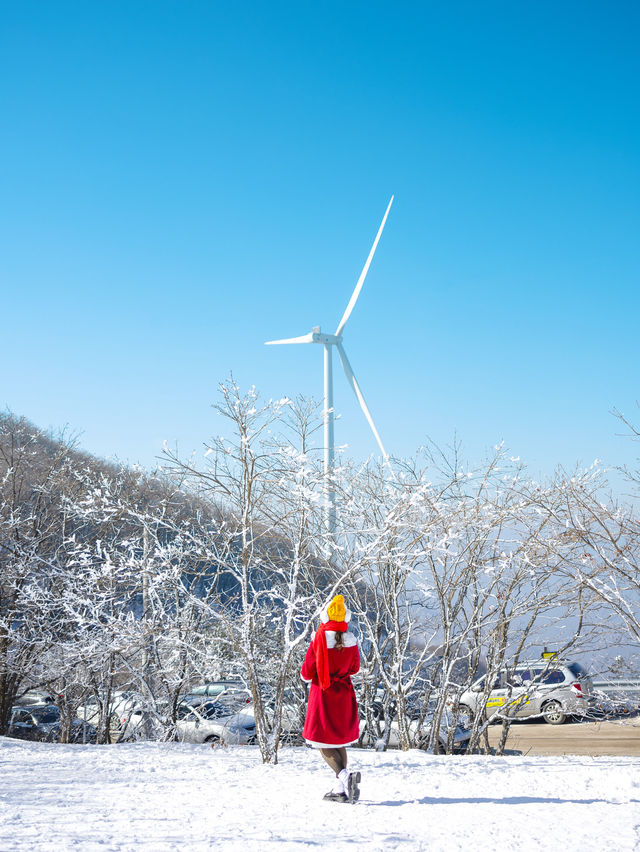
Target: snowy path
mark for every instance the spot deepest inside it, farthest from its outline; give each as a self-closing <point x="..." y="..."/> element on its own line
<point x="157" y="797"/>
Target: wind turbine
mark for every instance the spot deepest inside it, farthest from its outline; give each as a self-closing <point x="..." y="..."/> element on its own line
<point x="329" y="341"/>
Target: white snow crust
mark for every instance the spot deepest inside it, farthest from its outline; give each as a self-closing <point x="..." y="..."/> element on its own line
<point x="166" y="796"/>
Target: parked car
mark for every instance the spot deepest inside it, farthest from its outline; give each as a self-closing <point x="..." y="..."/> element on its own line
<point x="212" y="722"/>
<point x="420" y="731"/>
<point x="553" y="690"/>
<point x="204" y="722"/>
<point x="36" y="696"/>
<point x="606" y="707"/>
<point x="221" y="720"/>
<point x="42" y="722"/>
<point x="121" y="705"/>
<point x="290" y="730"/>
<point x="217" y="689"/>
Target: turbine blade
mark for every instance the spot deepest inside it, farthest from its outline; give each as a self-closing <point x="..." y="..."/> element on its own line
<point x="363" y="405"/>
<point x="363" y="274"/>
<point x="305" y="338"/>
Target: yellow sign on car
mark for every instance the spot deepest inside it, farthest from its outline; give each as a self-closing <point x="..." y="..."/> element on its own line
<point x="500" y="701"/>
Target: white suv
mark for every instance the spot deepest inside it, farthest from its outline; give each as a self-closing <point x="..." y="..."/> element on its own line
<point x="552" y="689"/>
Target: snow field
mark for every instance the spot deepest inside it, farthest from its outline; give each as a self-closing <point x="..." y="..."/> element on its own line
<point x="169" y="796"/>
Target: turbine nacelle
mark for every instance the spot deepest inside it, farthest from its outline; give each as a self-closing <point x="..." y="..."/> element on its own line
<point x="315" y="336"/>
<point x="320" y="337"/>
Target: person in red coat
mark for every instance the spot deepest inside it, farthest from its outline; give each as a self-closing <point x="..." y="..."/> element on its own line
<point x="332" y="710"/>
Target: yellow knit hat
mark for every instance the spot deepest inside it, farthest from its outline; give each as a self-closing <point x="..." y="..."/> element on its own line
<point x="336" y="609"/>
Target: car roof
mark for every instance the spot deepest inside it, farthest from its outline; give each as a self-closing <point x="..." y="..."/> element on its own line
<point x="527" y="664"/>
<point x="35" y="709"/>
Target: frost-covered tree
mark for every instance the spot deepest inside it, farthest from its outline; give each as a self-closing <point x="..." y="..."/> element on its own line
<point x="145" y="563"/>
<point x="266" y="480"/>
<point x="454" y="570"/>
<point x="33" y="471"/>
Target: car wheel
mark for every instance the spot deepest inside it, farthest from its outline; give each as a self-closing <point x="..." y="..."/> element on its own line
<point x="422" y="741"/>
<point x="553" y="713"/>
<point x="212" y="739"/>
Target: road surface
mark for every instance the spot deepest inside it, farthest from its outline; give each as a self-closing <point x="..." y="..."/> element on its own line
<point x="621" y="737"/>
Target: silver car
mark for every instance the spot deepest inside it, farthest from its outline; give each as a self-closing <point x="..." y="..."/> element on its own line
<point x="213" y="722"/>
<point x="206" y="722"/>
<point x="122" y="706"/>
<point x="552" y="689"/>
<point x="459" y="732"/>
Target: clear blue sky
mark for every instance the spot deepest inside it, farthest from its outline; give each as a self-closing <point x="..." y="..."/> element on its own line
<point x="183" y="181"/>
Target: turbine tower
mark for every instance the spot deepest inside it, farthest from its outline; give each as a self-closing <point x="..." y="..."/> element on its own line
<point x="328" y="341"/>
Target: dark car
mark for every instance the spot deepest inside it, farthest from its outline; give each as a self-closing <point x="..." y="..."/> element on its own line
<point x="43" y="723"/>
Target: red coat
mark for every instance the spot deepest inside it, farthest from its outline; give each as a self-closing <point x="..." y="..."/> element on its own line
<point x="332" y="714"/>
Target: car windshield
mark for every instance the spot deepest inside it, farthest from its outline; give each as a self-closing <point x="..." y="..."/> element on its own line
<point x="47" y="715"/>
<point x="212" y="710"/>
<point x="185" y="712"/>
<point x="577" y="670"/>
<point x="233" y="702"/>
<point x="21" y="716"/>
<point x="497" y="681"/>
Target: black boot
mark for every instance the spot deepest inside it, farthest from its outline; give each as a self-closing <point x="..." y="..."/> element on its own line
<point x="335" y="797"/>
<point x="353" y="791"/>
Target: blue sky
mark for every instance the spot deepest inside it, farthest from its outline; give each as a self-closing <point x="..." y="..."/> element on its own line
<point x="183" y="181"/>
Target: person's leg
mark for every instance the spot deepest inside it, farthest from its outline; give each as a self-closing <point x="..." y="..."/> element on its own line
<point x="343" y="756"/>
<point x="336" y="758"/>
<point x="350" y="780"/>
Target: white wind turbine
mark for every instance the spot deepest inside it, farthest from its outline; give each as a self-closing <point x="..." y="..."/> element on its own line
<point x="329" y="340"/>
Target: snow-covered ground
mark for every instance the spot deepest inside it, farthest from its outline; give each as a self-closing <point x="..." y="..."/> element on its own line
<point x="161" y="796"/>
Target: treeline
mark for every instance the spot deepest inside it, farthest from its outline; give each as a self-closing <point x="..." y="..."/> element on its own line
<point x="113" y="577"/>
